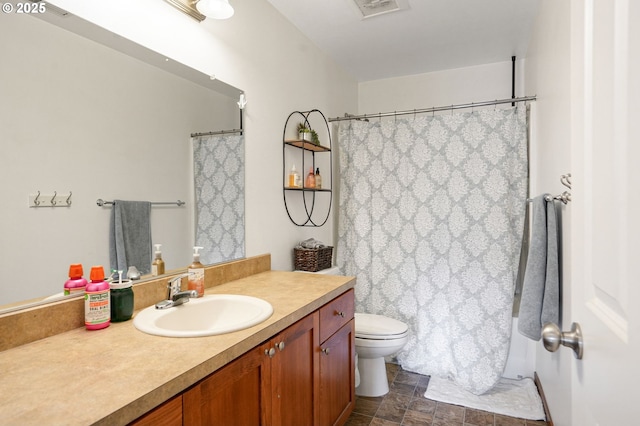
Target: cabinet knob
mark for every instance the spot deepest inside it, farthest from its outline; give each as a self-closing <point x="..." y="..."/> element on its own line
<point x="340" y="314"/>
<point x="280" y="346"/>
<point x="270" y="352"/>
<point x="326" y="351"/>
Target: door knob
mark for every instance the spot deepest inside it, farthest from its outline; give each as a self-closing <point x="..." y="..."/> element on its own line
<point x="552" y="338"/>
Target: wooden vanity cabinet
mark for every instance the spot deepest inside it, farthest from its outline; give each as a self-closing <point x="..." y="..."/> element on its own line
<point x="337" y="360"/>
<point x="275" y="383"/>
<point x="167" y="414"/>
<point x="302" y="376"/>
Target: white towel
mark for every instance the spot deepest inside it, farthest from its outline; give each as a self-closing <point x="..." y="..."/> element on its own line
<point x="540" y="302"/>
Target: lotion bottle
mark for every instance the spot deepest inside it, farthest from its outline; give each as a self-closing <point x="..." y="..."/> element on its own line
<point x="97" y="301"/>
<point x="318" y="179"/>
<point x="157" y="267"/>
<point x="294" y="177"/>
<point x="75" y="284"/>
<point x="196" y="273"/>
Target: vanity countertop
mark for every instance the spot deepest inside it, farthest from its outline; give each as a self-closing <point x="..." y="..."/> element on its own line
<point x="113" y="376"/>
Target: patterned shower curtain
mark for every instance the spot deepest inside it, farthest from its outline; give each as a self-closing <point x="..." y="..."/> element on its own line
<point x="218" y="171"/>
<point x="430" y="222"/>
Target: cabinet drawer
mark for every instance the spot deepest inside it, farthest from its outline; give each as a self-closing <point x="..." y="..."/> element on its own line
<point x="335" y="314"/>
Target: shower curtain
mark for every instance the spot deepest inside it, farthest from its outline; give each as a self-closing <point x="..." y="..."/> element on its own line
<point x="430" y="221"/>
<point x="218" y="171"/>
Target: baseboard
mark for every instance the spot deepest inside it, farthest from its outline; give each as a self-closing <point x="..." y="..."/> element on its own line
<point x="547" y="413"/>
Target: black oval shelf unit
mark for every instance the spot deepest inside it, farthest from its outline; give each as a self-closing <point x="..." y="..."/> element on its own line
<point x="308" y="195"/>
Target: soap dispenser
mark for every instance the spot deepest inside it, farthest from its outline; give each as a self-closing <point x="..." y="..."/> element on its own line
<point x="196" y="273"/>
<point x="157" y="267"/>
<point x="318" y="178"/>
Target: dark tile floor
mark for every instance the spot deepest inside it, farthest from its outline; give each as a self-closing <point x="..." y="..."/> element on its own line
<point x="405" y="404"/>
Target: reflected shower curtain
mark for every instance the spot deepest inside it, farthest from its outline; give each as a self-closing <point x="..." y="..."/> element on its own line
<point x="218" y="171"/>
<point x="430" y="221"/>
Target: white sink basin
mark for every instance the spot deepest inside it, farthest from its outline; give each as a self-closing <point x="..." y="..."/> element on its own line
<point x="205" y="316"/>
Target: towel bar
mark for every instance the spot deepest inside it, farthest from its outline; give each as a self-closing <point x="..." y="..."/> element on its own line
<point x="100" y="202"/>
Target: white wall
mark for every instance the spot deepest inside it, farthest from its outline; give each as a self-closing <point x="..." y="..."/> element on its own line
<point x="456" y="86"/>
<point x="279" y="70"/>
<point x="548" y="75"/>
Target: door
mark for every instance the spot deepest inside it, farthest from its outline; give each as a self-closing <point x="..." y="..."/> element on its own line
<point x="605" y="211"/>
<point x="294" y="374"/>
<point x="337" y="376"/>
<point x="238" y="394"/>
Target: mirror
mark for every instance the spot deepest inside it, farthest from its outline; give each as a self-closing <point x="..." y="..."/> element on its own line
<point x="89" y="114"/>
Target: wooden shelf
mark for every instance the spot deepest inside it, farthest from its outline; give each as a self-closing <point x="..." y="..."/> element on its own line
<point x="287" y="188"/>
<point x="306" y="145"/>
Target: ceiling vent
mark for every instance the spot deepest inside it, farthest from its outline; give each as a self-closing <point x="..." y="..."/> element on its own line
<point x="369" y="8"/>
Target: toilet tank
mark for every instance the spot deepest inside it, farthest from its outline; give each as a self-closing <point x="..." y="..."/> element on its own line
<point x="329" y="271"/>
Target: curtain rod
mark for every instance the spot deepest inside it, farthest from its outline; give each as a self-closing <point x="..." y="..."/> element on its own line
<point x="219" y="132"/>
<point x="434" y="109"/>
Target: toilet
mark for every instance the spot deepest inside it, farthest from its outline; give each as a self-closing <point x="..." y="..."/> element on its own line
<point x="376" y="337"/>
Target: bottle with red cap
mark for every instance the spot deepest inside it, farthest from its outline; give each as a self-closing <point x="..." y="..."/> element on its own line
<point x="97" y="301"/>
<point x="75" y="284"/>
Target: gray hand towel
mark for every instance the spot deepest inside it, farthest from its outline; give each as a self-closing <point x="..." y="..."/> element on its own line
<point x="540" y="302"/>
<point x="130" y="236"/>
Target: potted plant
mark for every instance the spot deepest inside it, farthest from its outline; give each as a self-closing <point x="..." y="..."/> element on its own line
<point x="308" y="134"/>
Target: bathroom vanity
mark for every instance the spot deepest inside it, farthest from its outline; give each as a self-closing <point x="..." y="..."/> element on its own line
<point x="303" y="375"/>
<point x="297" y="367"/>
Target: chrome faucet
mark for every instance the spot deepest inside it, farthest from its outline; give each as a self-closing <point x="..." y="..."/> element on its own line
<point x="176" y="297"/>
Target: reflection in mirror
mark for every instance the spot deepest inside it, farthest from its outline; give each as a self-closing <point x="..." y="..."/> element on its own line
<point x="79" y="117"/>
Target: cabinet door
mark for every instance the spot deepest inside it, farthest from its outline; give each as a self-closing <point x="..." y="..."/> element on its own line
<point x="295" y="374"/>
<point x="167" y="414"/>
<point x="337" y="376"/>
<point x="238" y="394"/>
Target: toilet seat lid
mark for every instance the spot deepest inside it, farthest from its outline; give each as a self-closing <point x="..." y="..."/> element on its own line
<point x="370" y="326"/>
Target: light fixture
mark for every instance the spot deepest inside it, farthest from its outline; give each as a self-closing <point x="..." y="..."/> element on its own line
<point x="216" y="9"/>
<point x="202" y="9"/>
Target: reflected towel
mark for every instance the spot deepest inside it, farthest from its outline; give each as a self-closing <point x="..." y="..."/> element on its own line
<point x="130" y="236"/>
<point x="540" y="302"/>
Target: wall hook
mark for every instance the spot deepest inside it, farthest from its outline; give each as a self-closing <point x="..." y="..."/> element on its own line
<point x="53" y="199"/>
<point x="36" y="201"/>
<point x="566" y="180"/>
<point x="69" y="198"/>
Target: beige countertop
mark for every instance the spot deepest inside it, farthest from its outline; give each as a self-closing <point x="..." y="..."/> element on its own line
<point x="114" y="375"/>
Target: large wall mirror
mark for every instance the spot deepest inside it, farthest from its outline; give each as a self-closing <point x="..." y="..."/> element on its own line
<point x="88" y="113"/>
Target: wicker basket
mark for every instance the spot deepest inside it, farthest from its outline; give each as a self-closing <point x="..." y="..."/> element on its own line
<point x="312" y="260"/>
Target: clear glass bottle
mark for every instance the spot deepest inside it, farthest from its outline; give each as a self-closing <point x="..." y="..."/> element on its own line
<point x="311" y="179"/>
